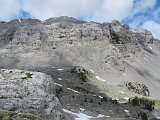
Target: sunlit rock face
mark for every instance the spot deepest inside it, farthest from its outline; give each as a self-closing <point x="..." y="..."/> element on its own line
<point x="107" y="56"/>
<point x="29" y="92"/>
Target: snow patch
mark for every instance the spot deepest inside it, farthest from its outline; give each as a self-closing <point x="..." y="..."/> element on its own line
<point x="43" y="21"/>
<point x="122" y="92"/>
<point x="59" y="69"/>
<point x="124" y="74"/>
<point x="81" y="116"/>
<point x="150" y="47"/>
<point x="127" y="111"/>
<point x="19" y="20"/>
<point x="115" y="99"/>
<point x="59" y="78"/>
<point x="57" y="84"/>
<point x="100" y="97"/>
<point x="132" y="30"/>
<point x="92" y="71"/>
<point x="126" y="98"/>
<point x="100" y="116"/>
<point x="81" y="109"/>
<point x="100" y="78"/>
<point x="73" y="90"/>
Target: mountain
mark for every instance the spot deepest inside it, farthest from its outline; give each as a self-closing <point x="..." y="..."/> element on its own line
<point x="95" y="67"/>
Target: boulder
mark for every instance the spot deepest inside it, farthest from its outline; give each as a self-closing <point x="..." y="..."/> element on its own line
<point x="29" y="92"/>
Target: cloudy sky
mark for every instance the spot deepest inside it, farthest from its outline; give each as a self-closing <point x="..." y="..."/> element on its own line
<point x="136" y="13"/>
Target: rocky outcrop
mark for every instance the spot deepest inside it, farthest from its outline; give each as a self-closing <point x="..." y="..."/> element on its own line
<point x="29" y="92"/>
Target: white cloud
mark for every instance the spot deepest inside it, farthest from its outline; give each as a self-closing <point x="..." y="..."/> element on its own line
<point x="9" y="9"/>
<point x="143" y="5"/>
<point x="153" y="27"/>
<point x="49" y="8"/>
<point x="113" y="9"/>
<point x="97" y="10"/>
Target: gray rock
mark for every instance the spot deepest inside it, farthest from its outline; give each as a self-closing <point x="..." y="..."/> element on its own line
<point x="29" y="92"/>
<point x="114" y="52"/>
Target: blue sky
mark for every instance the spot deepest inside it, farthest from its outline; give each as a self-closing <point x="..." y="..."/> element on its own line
<point x="137" y="13"/>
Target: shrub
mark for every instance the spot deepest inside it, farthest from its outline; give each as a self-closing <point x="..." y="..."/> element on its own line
<point x="147" y="103"/>
<point x="144" y="116"/>
<point x="28" y="75"/>
<point x="81" y="73"/>
<point x="138" y="88"/>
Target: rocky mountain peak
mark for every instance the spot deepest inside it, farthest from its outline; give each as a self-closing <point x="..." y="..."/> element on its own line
<point x="91" y="65"/>
<point x="62" y="19"/>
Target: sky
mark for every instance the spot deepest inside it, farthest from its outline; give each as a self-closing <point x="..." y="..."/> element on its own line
<point x="137" y="13"/>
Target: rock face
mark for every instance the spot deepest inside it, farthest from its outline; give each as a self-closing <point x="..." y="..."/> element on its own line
<point x="113" y="50"/>
<point x="29" y="92"/>
<point x="108" y="55"/>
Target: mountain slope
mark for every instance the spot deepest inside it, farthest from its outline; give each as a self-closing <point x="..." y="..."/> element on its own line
<point x="111" y="59"/>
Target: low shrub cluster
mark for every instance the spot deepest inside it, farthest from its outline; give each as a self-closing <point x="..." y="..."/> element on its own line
<point x="138" y="88"/>
<point x="147" y="103"/>
<point x="81" y="73"/>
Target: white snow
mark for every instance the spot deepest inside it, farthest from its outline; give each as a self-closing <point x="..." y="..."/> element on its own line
<point x="73" y="90"/>
<point x="59" y="78"/>
<point x="116" y="99"/>
<point x="100" y="78"/>
<point x="81" y="109"/>
<point x="100" y="116"/>
<point x="43" y="21"/>
<point x="92" y="71"/>
<point x="122" y="92"/>
<point x="100" y="97"/>
<point x="150" y="47"/>
<point x="127" y="111"/>
<point x="81" y="116"/>
<point x="134" y="31"/>
<point x="126" y="98"/>
<point x="19" y="20"/>
<point x="124" y="74"/>
<point x="52" y="67"/>
<point x="57" y="84"/>
<point x="59" y="69"/>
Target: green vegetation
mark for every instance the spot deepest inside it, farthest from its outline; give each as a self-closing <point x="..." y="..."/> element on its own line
<point x="146" y="103"/>
<point x="138" y="88"/>
<point x="27" y="117"/>
<point x="157" y="103"/>
<point x="28" y="75"/>
<point x="81" y="73"/>
<point x="6" y="115"/>
<point x="144" y="116"/>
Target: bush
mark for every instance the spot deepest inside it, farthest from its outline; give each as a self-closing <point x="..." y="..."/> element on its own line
<point x="147" y="103"/>
<point x="138" y="88"/>
<point x="144" y="116"/>
<point x="28" y="75"/>
<point x="81" y="73"/>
